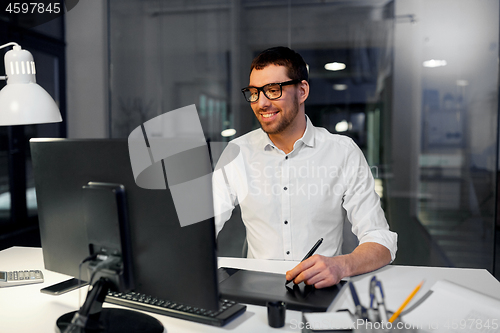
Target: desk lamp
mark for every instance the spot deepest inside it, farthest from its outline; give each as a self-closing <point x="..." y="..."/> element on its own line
<point x="22" y="100"/>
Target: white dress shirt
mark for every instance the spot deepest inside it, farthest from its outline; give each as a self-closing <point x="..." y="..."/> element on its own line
<point x="289" y="201"/>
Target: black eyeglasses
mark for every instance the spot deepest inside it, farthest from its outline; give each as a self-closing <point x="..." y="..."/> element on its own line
<point x="270" y="90"/>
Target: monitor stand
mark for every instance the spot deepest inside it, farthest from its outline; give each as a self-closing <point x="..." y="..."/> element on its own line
<point x="93" y="318"/>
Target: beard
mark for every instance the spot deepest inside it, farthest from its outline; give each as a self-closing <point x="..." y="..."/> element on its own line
<point x="286" y="119"/>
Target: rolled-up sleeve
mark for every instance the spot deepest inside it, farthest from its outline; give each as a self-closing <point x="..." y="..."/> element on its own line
<point x="362" y="203"/>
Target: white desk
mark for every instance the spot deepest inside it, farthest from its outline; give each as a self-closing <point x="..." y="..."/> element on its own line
<point x="25" y="309"/>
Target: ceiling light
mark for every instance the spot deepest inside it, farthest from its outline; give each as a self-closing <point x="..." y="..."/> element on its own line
<point x="334" y="66"/>
<point x="462" y="83"/>
<point x="340" y="87"/>
<point x="342" y="126"/>
<point x="228" y="132"/>
<point x="379" y="187"/>
<point x="434" y="63"/>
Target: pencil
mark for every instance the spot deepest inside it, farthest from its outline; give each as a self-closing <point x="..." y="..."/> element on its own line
<point x="405" y="303"/>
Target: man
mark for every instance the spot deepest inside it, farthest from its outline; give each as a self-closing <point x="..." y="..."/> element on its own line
<point x="296" y="183"/>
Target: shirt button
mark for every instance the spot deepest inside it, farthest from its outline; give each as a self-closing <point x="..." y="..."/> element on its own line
<point x="287" y="252"/>
<point x="285" y="188"/>
<point x="286" y="157"/>
<point x="286" y="222"/>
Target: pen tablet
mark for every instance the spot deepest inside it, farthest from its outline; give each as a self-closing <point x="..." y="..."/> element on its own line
<point x="258" y="288"/>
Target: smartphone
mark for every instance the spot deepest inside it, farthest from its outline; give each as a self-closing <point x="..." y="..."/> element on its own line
<point x="63" y="287"/>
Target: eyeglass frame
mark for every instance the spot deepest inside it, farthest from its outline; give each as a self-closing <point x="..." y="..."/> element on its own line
<point x="259" y="89"/>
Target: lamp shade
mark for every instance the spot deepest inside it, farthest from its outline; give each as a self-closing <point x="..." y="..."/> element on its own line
<point x="28" y="103"/>
<point x="22" y="100"/>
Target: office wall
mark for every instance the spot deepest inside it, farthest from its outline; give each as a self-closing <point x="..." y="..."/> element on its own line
<point x="87" y="70"/>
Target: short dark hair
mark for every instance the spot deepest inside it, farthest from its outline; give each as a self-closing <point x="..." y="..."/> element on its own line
<point x="282" y="56"/>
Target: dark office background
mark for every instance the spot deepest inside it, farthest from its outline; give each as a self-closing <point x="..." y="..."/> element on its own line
<point x="429" y="132"/>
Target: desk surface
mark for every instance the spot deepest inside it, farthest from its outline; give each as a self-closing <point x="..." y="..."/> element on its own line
<point x="25" y="309"/>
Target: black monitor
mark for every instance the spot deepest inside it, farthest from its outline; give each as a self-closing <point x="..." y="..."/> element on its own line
<point x="169" y="261"/>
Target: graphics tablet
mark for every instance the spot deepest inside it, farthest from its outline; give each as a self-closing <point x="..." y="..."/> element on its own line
<point x="258" y="288"/>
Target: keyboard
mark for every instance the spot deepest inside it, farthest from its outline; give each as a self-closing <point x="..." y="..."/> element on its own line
<point x="228" y="310"/>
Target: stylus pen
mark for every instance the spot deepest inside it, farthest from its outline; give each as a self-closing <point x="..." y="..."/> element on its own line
<point x="309" y="254"/>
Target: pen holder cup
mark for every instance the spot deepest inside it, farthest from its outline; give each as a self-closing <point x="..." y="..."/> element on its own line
<point x="374" y="324"/>
<point x="276" y="312"/>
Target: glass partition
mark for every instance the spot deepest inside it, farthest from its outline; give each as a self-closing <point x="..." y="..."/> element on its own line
<point x="446" y="114"/>
<point x="413" y="82"/>
<point x="459" y="128"/>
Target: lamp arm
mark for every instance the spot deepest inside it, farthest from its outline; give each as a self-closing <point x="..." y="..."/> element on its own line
<point x="3" y="46"/>
<point x="9" y="44"/>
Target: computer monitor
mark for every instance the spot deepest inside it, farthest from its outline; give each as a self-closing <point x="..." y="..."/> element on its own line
<point x="169" y="261"/>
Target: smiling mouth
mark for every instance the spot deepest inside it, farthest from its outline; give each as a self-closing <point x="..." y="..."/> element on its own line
<point x="269" y="115"/>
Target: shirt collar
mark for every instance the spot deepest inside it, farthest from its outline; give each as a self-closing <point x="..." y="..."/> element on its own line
<point x="307" y="138"/>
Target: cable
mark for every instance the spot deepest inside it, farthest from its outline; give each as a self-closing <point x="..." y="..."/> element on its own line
<point x="106" y="262"/>
<point x="76" y="322"/>
<point x="91" y="257"/>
